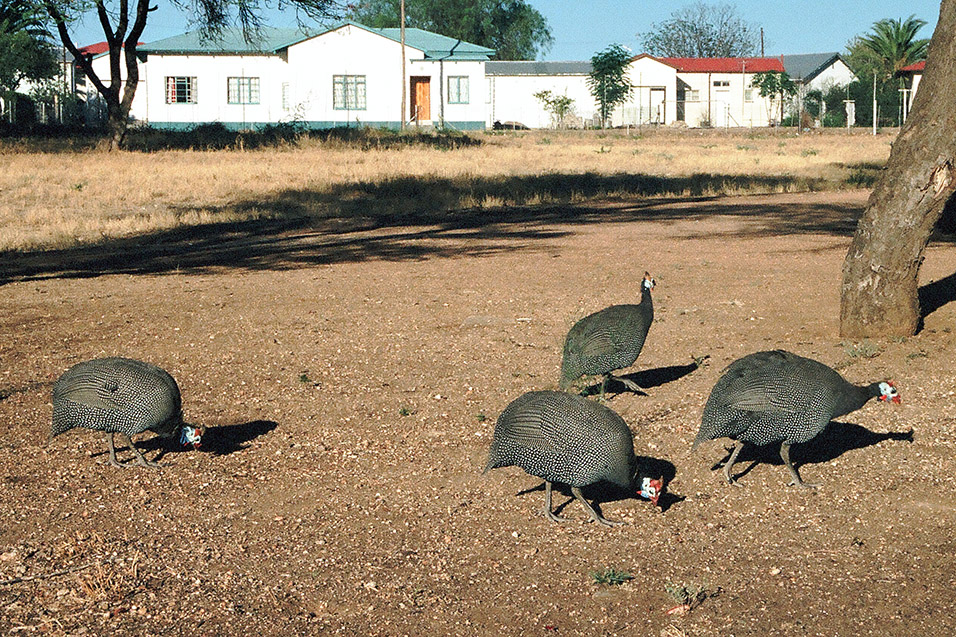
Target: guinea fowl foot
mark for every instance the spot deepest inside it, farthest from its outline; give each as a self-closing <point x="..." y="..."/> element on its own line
<point x="630" y="384"/>
<point x="595" y="516"/>
<point x="803" y="485"/>
<point x="140" y="458"/>
<point x="795" y="481"/>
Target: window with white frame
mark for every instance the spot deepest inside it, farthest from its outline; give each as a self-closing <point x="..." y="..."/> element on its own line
<point x="286" y="102"/>
<point x="348" y="92"/>
<point x="181" y="90"/>
<point x="692" y="96"/>
<point x="748" y="95"/>
<point x="721" y="83"/>
<point x="457" y="89"/>
<point x="242" y="90"/>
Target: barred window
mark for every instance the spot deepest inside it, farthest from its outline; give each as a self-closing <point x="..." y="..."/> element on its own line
<point x="748" y="95"/>
<point x="348" y="92"/>
<point x="181" y="90"/>
<point x="242" y="90"/>
<point x="458" y="89"/>
<point x="286" y="102"/>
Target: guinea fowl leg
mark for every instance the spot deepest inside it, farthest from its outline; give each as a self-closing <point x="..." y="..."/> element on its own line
<point x="785" y="454"/>
<point x="140" y="458"/>
<point x="630" y="384"/>
<point x="730" y="463"/>
<point x="594" y="514"/>
<point x="113" y="460"/>
<point x="547" y="504"/>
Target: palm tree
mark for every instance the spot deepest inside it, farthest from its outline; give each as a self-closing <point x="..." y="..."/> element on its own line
<point x="895" y="45"/>
<point x="22" y="15"/>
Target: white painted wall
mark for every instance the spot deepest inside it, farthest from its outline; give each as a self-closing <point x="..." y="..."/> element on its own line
<point x="654" y="97"/>
<point x="837" y="74"/>
<point x="511" y="98"/>
<point x="731" y="105"/>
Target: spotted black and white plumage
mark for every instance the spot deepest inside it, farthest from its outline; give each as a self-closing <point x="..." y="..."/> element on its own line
<point x="779" y="397"/>
<point x="608" y="340"/>
<point x="120" y="395"/>
<point x="565" y="438"/>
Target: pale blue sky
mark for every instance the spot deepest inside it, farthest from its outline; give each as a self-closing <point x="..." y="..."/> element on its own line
<point x="583" y="27"/>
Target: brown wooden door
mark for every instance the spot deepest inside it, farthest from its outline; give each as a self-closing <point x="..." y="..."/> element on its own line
<point x="421" y="92"/>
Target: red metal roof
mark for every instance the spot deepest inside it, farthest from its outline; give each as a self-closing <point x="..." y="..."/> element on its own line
<point x="724" y="65"/>
<point x="918" y="67"/>
<point x="96" y="49"/>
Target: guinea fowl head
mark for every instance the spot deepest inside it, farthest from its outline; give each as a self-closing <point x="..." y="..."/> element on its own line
<point x="191" y="435"/>
<point x="649" y="282"/>
<point x="888" y="393"/>
<point x="648" y="487"/>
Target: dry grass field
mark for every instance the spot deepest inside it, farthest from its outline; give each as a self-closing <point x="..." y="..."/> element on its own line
<point x="348" y="325"/>
<point x="56" y="200"/>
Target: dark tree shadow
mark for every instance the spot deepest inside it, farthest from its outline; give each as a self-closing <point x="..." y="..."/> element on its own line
<point x="831" y="443"/>
<point x="416" y="218"/>
<point x="935" y="295"/>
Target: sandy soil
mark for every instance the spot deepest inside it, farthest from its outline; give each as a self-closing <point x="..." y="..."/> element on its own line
<point x="350" y="383"/>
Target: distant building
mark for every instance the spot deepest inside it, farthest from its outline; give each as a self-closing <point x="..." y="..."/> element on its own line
<point x="913" y="75"/>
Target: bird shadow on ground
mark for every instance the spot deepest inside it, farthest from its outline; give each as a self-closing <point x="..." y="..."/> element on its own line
<point x="602" y="492"/>
<point x="219" y="441"/>
<point x="645" y="379"/>
<point x="833" y="442"/>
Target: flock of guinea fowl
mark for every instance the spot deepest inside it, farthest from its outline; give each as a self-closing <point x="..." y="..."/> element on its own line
<point x="768" y="397"/>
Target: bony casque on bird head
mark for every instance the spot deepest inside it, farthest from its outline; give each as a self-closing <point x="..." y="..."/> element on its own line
<point x="652" y="489"/>
<point x="888" y="393"/>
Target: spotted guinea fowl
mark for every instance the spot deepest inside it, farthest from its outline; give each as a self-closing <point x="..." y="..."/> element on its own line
<point x="776" y="396"/>
<point x="608" y="340"/>
<point x="120" y="395"/>
<point x="564" y="438"/>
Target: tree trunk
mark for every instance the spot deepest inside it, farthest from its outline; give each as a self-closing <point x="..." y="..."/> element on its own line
<point x="879" y="296"/>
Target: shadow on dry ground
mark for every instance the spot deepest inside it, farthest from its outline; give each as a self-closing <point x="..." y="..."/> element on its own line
<point x="833" y="442"/>
<point x="421" y="218"/>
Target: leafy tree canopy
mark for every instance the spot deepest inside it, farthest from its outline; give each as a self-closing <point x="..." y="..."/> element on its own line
<point x="887" y="48"/>
<point x="702" y="30"/>
<point x="608" y="78"/>
<point x="25" y="54"/>
<point x="515" y="29"/>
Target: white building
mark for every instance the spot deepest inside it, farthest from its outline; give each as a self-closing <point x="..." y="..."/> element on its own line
<point x="512" y="87"/>
<point x="913" y="75"/>
<point x="347" y="75"/>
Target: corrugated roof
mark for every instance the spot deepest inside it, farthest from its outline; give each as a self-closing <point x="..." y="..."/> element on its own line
<point x="919" y="67"/>
<point x="537" y="68"/>
<point x="437" y="46"/>
<point x="98" y="48"/>
<point x="271" y="40"/>
<point x="806" y="66"/>
<point x="724" y="65"/>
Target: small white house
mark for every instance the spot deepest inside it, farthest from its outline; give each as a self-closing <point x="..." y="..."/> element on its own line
<point x="512" y="87"/>
<point x="653" y="98"/>
<point x="913" y="74"/>
<point x="719" y="92"/>
<point x="345" y="76"/>
<point x="816" y="72"/>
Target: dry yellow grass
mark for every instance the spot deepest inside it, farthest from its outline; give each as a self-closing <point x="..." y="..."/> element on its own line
<point x="55" y="200"/>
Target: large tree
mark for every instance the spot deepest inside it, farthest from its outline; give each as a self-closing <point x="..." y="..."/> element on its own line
<point x="123" y="23"/>
<point x="515" y="29"/>
<point x="702" y="30"/>
<point x="879" y="296"/>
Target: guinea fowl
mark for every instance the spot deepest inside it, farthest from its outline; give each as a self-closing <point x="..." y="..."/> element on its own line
<point x="120" y="395"/>
<point x="776" y="396"/>
<point x="565" y="438"/>
<point x="608" y="340"/>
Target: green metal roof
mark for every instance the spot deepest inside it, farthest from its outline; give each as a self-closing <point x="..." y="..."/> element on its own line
<point x="272" y="40"/>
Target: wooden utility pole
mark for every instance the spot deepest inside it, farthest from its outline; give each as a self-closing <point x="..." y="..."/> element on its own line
<point x="404" y="87"/>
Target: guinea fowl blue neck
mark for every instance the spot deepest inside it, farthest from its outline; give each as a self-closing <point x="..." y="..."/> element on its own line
<point x="855" y="396"/>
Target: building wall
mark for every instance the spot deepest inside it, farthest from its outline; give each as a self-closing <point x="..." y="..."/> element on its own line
<point x="297" y="85"/>
<point x="837" y="74"/>
<point x="654" y="97"/>
<point x="510" y="98"/>
<point x="722" y="100"/>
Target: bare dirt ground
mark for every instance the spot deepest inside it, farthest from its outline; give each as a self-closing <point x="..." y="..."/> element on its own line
<point x="350" y="382"/>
